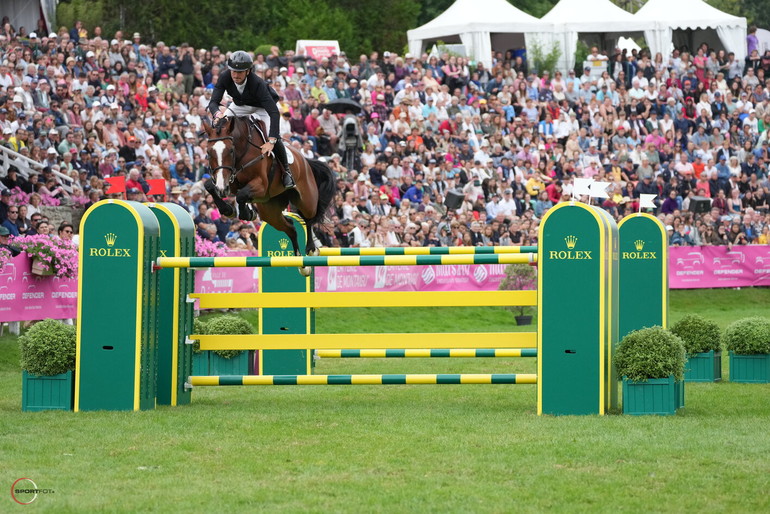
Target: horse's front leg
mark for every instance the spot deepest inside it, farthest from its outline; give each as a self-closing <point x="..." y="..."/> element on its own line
<point x="244" y="208"/>
<point x="225" y="209"/>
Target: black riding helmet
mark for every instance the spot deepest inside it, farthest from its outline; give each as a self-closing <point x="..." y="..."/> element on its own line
<point x="240" y="61"/>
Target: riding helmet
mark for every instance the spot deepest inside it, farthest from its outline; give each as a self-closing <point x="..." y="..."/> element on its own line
<point x="240" y="61"/>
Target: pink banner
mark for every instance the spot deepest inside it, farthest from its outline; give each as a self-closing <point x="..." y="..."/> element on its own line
<point x="318" y="52"/>
<point x="694" y="267"/>
<point x="485" y="277"/>
<point x="227" y="280"/>
<point x="25" y="296"/>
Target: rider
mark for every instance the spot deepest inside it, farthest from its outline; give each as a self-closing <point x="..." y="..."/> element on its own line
<point x="252" y="96"/>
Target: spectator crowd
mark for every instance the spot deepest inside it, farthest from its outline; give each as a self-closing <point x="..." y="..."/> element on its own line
<point x="451" y="152"/>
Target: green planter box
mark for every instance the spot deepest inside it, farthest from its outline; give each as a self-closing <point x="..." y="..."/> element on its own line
<point x="661" y="396"/>
<point x="200" y="364"/>
<point x="54" y="392"/>
<point x="750" y="369"/>
<point x="238" y="365"/>
<point x="703" y="367"/>
<point x="679" y="393"/>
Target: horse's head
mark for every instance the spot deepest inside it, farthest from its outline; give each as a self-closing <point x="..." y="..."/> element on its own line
<point x="221" y="152"/>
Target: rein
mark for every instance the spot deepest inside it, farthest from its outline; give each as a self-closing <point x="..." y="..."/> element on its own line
<point x="232" y="169"/>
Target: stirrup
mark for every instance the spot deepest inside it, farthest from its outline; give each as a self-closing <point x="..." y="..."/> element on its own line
<point x="288" y="180"/>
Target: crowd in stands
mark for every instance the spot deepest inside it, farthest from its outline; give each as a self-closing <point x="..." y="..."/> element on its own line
<point x="506" y="142"/>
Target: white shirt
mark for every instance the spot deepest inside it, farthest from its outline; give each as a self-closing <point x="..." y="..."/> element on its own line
<point x="507" y="207"/>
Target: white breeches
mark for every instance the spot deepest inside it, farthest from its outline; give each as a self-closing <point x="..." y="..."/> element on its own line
<point x="248" y="110"/>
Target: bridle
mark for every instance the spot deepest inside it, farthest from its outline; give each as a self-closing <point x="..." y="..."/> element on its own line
<point x="235" y="159"/>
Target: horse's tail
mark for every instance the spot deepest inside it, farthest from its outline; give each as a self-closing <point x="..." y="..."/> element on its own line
<point x="324" y="179"/>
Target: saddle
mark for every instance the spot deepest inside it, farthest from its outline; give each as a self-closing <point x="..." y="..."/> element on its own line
<point x="259" y="126"/>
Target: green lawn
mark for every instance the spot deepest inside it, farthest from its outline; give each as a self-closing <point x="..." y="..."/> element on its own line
<point x="399" y="448"/>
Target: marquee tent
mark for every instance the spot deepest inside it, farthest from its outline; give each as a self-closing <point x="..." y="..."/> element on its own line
<point x="601" y="17"/>
<point x="480" y="25"/>
<point x="694" y="21"/>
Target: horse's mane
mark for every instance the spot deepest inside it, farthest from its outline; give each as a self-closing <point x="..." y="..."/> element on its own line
<point x="238" y="126"/>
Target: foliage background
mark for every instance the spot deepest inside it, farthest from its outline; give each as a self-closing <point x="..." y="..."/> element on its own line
<point x="360" y="26"/>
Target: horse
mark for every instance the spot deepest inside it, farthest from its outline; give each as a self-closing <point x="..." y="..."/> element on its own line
<point x="240" y="168"/>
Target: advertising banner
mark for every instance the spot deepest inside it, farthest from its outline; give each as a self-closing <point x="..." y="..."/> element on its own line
<point x="694" y="267"/>
<point x="25" y="296"/>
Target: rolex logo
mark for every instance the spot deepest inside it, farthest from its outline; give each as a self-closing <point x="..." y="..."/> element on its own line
<point x="110" y="238"/>
<point x="639" y="245"/>
<point x="283" y="243"/>
<point x="571" y="242"/>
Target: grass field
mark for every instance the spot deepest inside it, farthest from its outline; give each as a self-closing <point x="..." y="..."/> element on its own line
<point x="399" y="448"/>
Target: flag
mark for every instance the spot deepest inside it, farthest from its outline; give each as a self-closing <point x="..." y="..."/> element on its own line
<point x="646" y="201"/>
<point x="157" y="186"/>
<point x="582" y="187"/>
<point x="116" y="185"/>
<point x="599" y="189"/>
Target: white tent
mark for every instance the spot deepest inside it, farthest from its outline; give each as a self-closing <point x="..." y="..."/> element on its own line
<point x="764" y="40"/>
<point x="26" y="13"/>
<point x="691" y="15"/>
<point x="477" y="23"/>
<point x="571" y="17"/>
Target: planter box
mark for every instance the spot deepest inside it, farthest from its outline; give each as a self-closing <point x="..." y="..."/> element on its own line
<point x="200" y="364"/>
<point x="661" y="396"/>
<point x="238" y="365"/>
<point x="54" y="392"/>
<point x="750" y="369"/>
<point x="679" y="394"/>
<point x="703" y="367"/>
<point x="39" y="269"/>
<point x="523" y="320"/>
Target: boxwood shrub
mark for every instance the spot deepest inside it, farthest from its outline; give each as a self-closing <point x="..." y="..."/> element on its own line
<point x="748" y="336"/>
<point x="650" y="353"/>
<point x="228" y="325"/>
<point x="48" y="348"/>
<point x="698" y="334"/>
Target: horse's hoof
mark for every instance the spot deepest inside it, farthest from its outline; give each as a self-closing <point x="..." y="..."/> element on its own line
<point x="305" y="271"/>
<point x="315" y="252"/>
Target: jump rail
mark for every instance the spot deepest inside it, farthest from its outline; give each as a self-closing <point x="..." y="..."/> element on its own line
<point x="428" y="250"/>
<point x="427" y="353"/>
<point x="368" y="260"/>
<point x="380" y="299"/>
<point x="427" y="379"/>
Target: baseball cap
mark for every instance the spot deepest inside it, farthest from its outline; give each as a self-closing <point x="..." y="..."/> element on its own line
<point x="33" y="35"/>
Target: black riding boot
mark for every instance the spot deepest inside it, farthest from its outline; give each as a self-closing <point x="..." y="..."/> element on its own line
<point x="280" y="153"/>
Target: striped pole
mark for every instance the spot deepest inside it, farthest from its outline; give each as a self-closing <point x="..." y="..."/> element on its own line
<point x="427" y="353"/>
<point x="442" y="379"/>
<point x="369" y="260"/>
<point x="428" y="250"/>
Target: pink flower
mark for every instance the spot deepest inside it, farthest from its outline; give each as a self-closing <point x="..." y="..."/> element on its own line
<point x="206" y="248"/>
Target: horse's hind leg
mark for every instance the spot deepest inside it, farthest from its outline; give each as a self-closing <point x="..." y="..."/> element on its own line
<point x="310" y="248"/>
<point x="271" y="212"/>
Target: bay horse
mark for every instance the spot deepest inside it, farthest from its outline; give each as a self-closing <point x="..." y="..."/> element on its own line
<point x="239" y="168"/>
